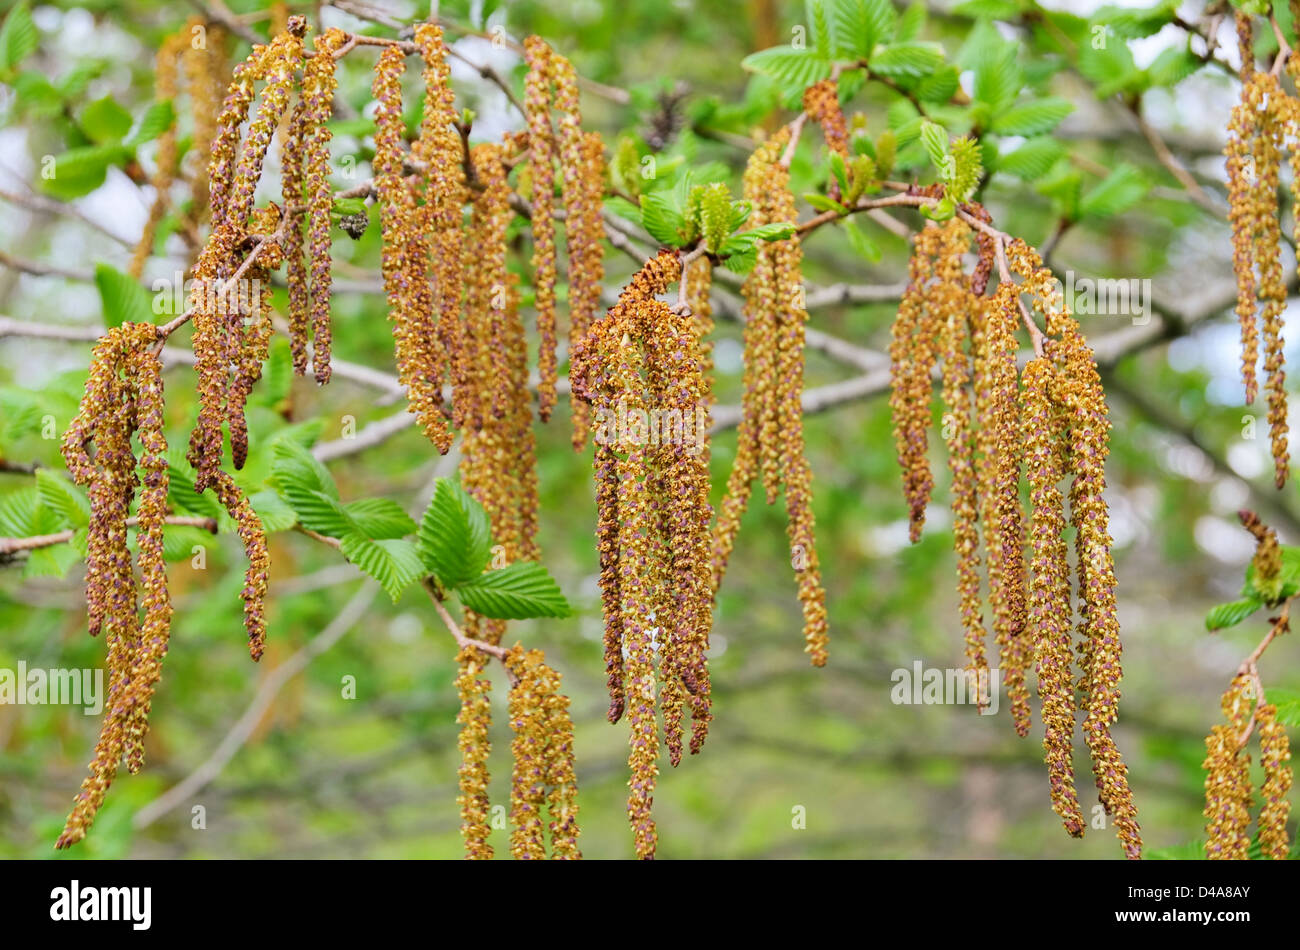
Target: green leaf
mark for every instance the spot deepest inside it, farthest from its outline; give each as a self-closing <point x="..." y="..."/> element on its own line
<point x="275" y="514"/>
<point x="911" y="23"/>
<point x="1032" y="160"/>
<point x="53" y="561"/>
<point x="935" y="139"/>
<point x="105" y="122"/>
<point x="37" y="95"/>
<point x="988" y="9"/>
<point x="1231" y="614"/>
<point x="293" y="464"/>
<point x="61" y="496"/>
<point x="662" y="219"/>
<point x="860" y="242"/>
<point x="998" y="79"/>
<point x="179" y="541"/>
<point x="348" y="206"/>
<point x="122" y="297"/>
<point x="1117" y="192"/>
<point x="454" y="539"/>
<point x="744" y="242"/>
<point x="821" y="31"/>
<point x="394" y="563"/>
<point x="181" y="494"/>
<point x="823" y="203"/>
<point x="157" y="119"/>
<point x="1032" y="118"/>
<point x="939" y="86"/>
<point x="1287" y="702"/>
<point x="1173" y="65"/>
<point x="380" y="518"/>
<point x="790" y="66"/>
<point x="18" y="38"/>
<point x="517" y="591"/>
<point x="80" y="171"/>
<point x="907" y="60"/>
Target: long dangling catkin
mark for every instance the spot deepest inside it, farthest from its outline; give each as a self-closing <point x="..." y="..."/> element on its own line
<point x="441" y="150"/>
<point x="528" y="779"/>
<point x="1227" y="779"/>
<point x="1274" y="754"/>
<point x="1049" y="610"/>
<point x="308" y="199"/>
<point x="959" y="306"/>
<point x="541" y="143"/>
<point x="1079" y="393"/>
<point x="419" y="351"/>
<point x="204" y="63"/>
<point x="475" y="718"/>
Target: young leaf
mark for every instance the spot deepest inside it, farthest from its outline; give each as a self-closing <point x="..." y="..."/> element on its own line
<point x="104" y="121"/>
<point x="59" y="495"/>
<point x="395" y="564"/>
<point x="275" y="515"/>
<point x="18" y="38"/>
<point x="1119" y="191"/>
<point x="123" y="298"/>
<point x="823" y="203"/>
<point x="1287" y="702"/>
<point x="293" y="464"/>
<point x="907" y="60"/>
<point x="157" y="119"/>
<point x="793" y="67"/>
<point x="380" y="518"/>
<point x="662" y="219"/>
<point x="518" y="591"/>
<point x="935" y="139"/>
<point x="454" y="540"/>
<point x="1032" y="160"/>
<point x="1032" y="118"/>
<point x="1231" y="614"/>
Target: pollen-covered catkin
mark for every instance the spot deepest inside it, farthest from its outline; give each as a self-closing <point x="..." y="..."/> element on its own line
<point x="475" y="718"/>
<point x="1274" y="754"/>
<point x="257" y="576"/>
<point x="1227" y="778"/>
<point x="419" y="351"/>
<point x="167" y="157"/>
<point x="1049" y="608"/>
<point x="541" y="144"/>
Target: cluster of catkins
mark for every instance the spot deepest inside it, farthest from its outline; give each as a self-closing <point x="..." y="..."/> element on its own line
<point x="644" y="359"/>
<point x="769" y="440"/>
<point x="1263" y="125"/>
<point x="1228" y="788"/>
<point x="1049" y="422"/>
<point x="123" y="399"/>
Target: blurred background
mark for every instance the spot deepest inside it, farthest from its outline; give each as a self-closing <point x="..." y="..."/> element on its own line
<point x="287" y="766"/>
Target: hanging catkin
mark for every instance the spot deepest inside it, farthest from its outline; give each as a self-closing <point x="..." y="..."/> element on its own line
<point x="167" y="157"/>
<point x="1227" y="779"/>
<point x="541" y="144"/>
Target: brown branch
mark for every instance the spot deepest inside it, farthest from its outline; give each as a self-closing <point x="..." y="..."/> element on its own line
<point x="13" y="545"/>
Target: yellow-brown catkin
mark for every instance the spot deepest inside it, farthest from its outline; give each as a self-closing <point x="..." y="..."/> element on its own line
<point x="1049" y="608"/>
<point x="1274" y="754"/>
<point x="1083" y="405"/>
<point x="475" y="719"/>
<point x="913" y="348"/>
<point x="308" y="199"/>
<point x="257" y="576"/>
<point x="543" y="774"/>
<point x="999" y="477"/>
<point x="441" y="150"/>
<point x="166" y="158"/>
<point x="541" y="143"/>
<point x="959" y="306"/>
<point x="822" y="103"/>
<point x="419" y="351"/>
<point x="123" y="395"/>
<point x="756" y="447"/>
<point x="1227" y="778"/>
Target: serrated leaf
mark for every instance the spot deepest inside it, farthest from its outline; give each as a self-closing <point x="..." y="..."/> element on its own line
<point x="907" y="60"/>
<point x="318" y="512"/>
<point x="123" y="298"/>
<point x="380" y="518"/>
<point x="454" y="536"/>
<point x="179" y="541"/>
<point x="157" y="119"/>
<point x="274" y="513"/>
<point x="62" y="497"/>
<point x="181" y="494"/>
<point x="662" y="220"/>
<point x="860" y="242"/>
<point x="394" y="563"/>
<point x="1033" y="159"/>
<point x="939" y="86"/>
<point x="18" y="38"/>
<point x="1032" y="118"/>
<point x="1173" y="65"/>
<point x="293" y="464"/>
<point x="935" y="139"/>
<point x="988" y="9"/>
<point x="998" y="79"/>
<point x="790" y="66"/>
<point x="821" y="31"/>
<point x="1231" y="614"/>
<point x="53" y="561"/>
<point x="910" y="23"/>
<point x="518" y="591"/>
